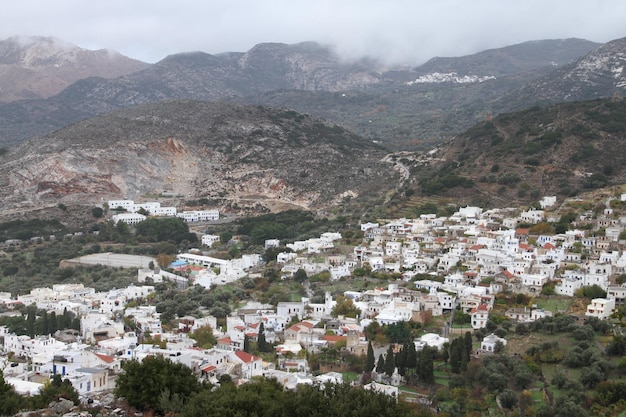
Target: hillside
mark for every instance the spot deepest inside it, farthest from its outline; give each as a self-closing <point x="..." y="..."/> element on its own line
<point x="406" y="108"/>
<point x="518" y="157"/>
<point x="40" y="67"/>
<point x="242" y="158"/>
<point x="596" y="75"/>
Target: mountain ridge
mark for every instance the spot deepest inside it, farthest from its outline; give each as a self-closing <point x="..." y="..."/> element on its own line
<point x="310" y="69"/>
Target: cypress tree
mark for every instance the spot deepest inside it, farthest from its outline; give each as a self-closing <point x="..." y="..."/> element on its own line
<point x="468" y="345"/>
<point x="390" y="363"/>
<point x="458" y="355"/>
<point x="370" y="362"/>
<point x="425" y="367"/>
<point x="45" y="328"/>
<point x="261" y="343"/>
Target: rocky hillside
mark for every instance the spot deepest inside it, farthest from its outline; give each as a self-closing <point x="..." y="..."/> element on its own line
<point x="400" y="106"/>
<point x="40" y="67"/>
<point x="599" y="74"/>
<point x="518" y="157"/>
<point x="242" y="158"/>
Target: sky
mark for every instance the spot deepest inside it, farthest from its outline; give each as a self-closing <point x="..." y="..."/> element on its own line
<point x="395" y="31"/>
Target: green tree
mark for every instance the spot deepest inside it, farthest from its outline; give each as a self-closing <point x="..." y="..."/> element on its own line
<point x="300" y="275"/>
<point x="345" y="307"/>
<point x="58" y="388"/>
<point x="458" y="355"/>
<point x="390" y="362"/>
<point x="425" y="366"/>
<point x="508" y="399"/>
<point x="10" y="401"/>
<point x="400" y="332"/>
<point x="468" y="345"/>
<point x="30" y="320"/>
<point x="97" y="212"/>
<point x="45" y="324"/>
<point x="592" y="291"/>
<point x="204" y="337"/>
<point x="261" y="343"/>
<point x="261" y="398"/>
<point x="142" y="383"/>
<point x="370" y="360"/>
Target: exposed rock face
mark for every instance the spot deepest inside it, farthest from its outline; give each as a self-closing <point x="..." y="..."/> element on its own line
<point x="255" y="157"/>
<point x="39" y="67"/>
<point x="599" y="74"/>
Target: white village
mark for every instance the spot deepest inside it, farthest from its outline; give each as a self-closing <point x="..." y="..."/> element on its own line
<point x="470" y="257"/>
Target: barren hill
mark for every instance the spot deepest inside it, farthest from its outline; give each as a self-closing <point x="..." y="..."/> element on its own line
<point x="240" y="157"/>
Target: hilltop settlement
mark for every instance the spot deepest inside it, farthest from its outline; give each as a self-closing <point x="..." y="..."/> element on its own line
<point x="444" y="268"/>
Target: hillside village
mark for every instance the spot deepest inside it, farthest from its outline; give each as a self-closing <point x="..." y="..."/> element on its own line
<point x="469" y="257"/>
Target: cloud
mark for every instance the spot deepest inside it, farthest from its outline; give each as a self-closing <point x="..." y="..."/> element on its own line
<point x="399" y="31"/>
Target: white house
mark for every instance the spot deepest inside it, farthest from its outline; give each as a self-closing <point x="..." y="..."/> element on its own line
<point x="489" y="342"/>
<point x="209" y="240"/>
<point x="480" y="316"/>
<point x="533" y="216"/>
<point x="128" y="218"/>
<point x="432" y="340"/>
<point x="601" y="308"/>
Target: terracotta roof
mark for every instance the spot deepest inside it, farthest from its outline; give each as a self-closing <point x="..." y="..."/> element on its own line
<point x="549" y="245"/>
<point x="245" y="356"/>
<point x="303" y="325"/>
<point x="520" y="231"/>
<point x="333" y="338"/>
<point x="508" y="274"/>
<point x="105" y="358"/>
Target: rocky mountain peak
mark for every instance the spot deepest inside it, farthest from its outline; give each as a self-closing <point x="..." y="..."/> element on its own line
<point x="39" y="67"/>
<point x="602" y="67"/>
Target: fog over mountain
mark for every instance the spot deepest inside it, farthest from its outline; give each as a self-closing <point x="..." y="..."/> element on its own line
<point x="400" y="31"/>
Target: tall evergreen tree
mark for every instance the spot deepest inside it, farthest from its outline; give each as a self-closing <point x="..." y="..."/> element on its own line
<point x="468" y="345"/>
<point x="425" y="367"/>
<point x="390" y="363"/>
<point x="10" y="401"/>
<point x="52" y="323"/>
<point x="67" y="319"/>
<point x="457" y="355"/>
<point x="30" y="320"/>
<point x="246" y="344"/>
<point x="400" y="360"/>
<point x="261" y="343"/>
<point x="411" y="359"/>
<point x="45" y="327"/>
<point x="370" y="361"/>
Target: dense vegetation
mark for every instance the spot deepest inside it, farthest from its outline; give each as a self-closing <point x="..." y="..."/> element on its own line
<point x="156" y="384"/>
<point x="562" y="150"/>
